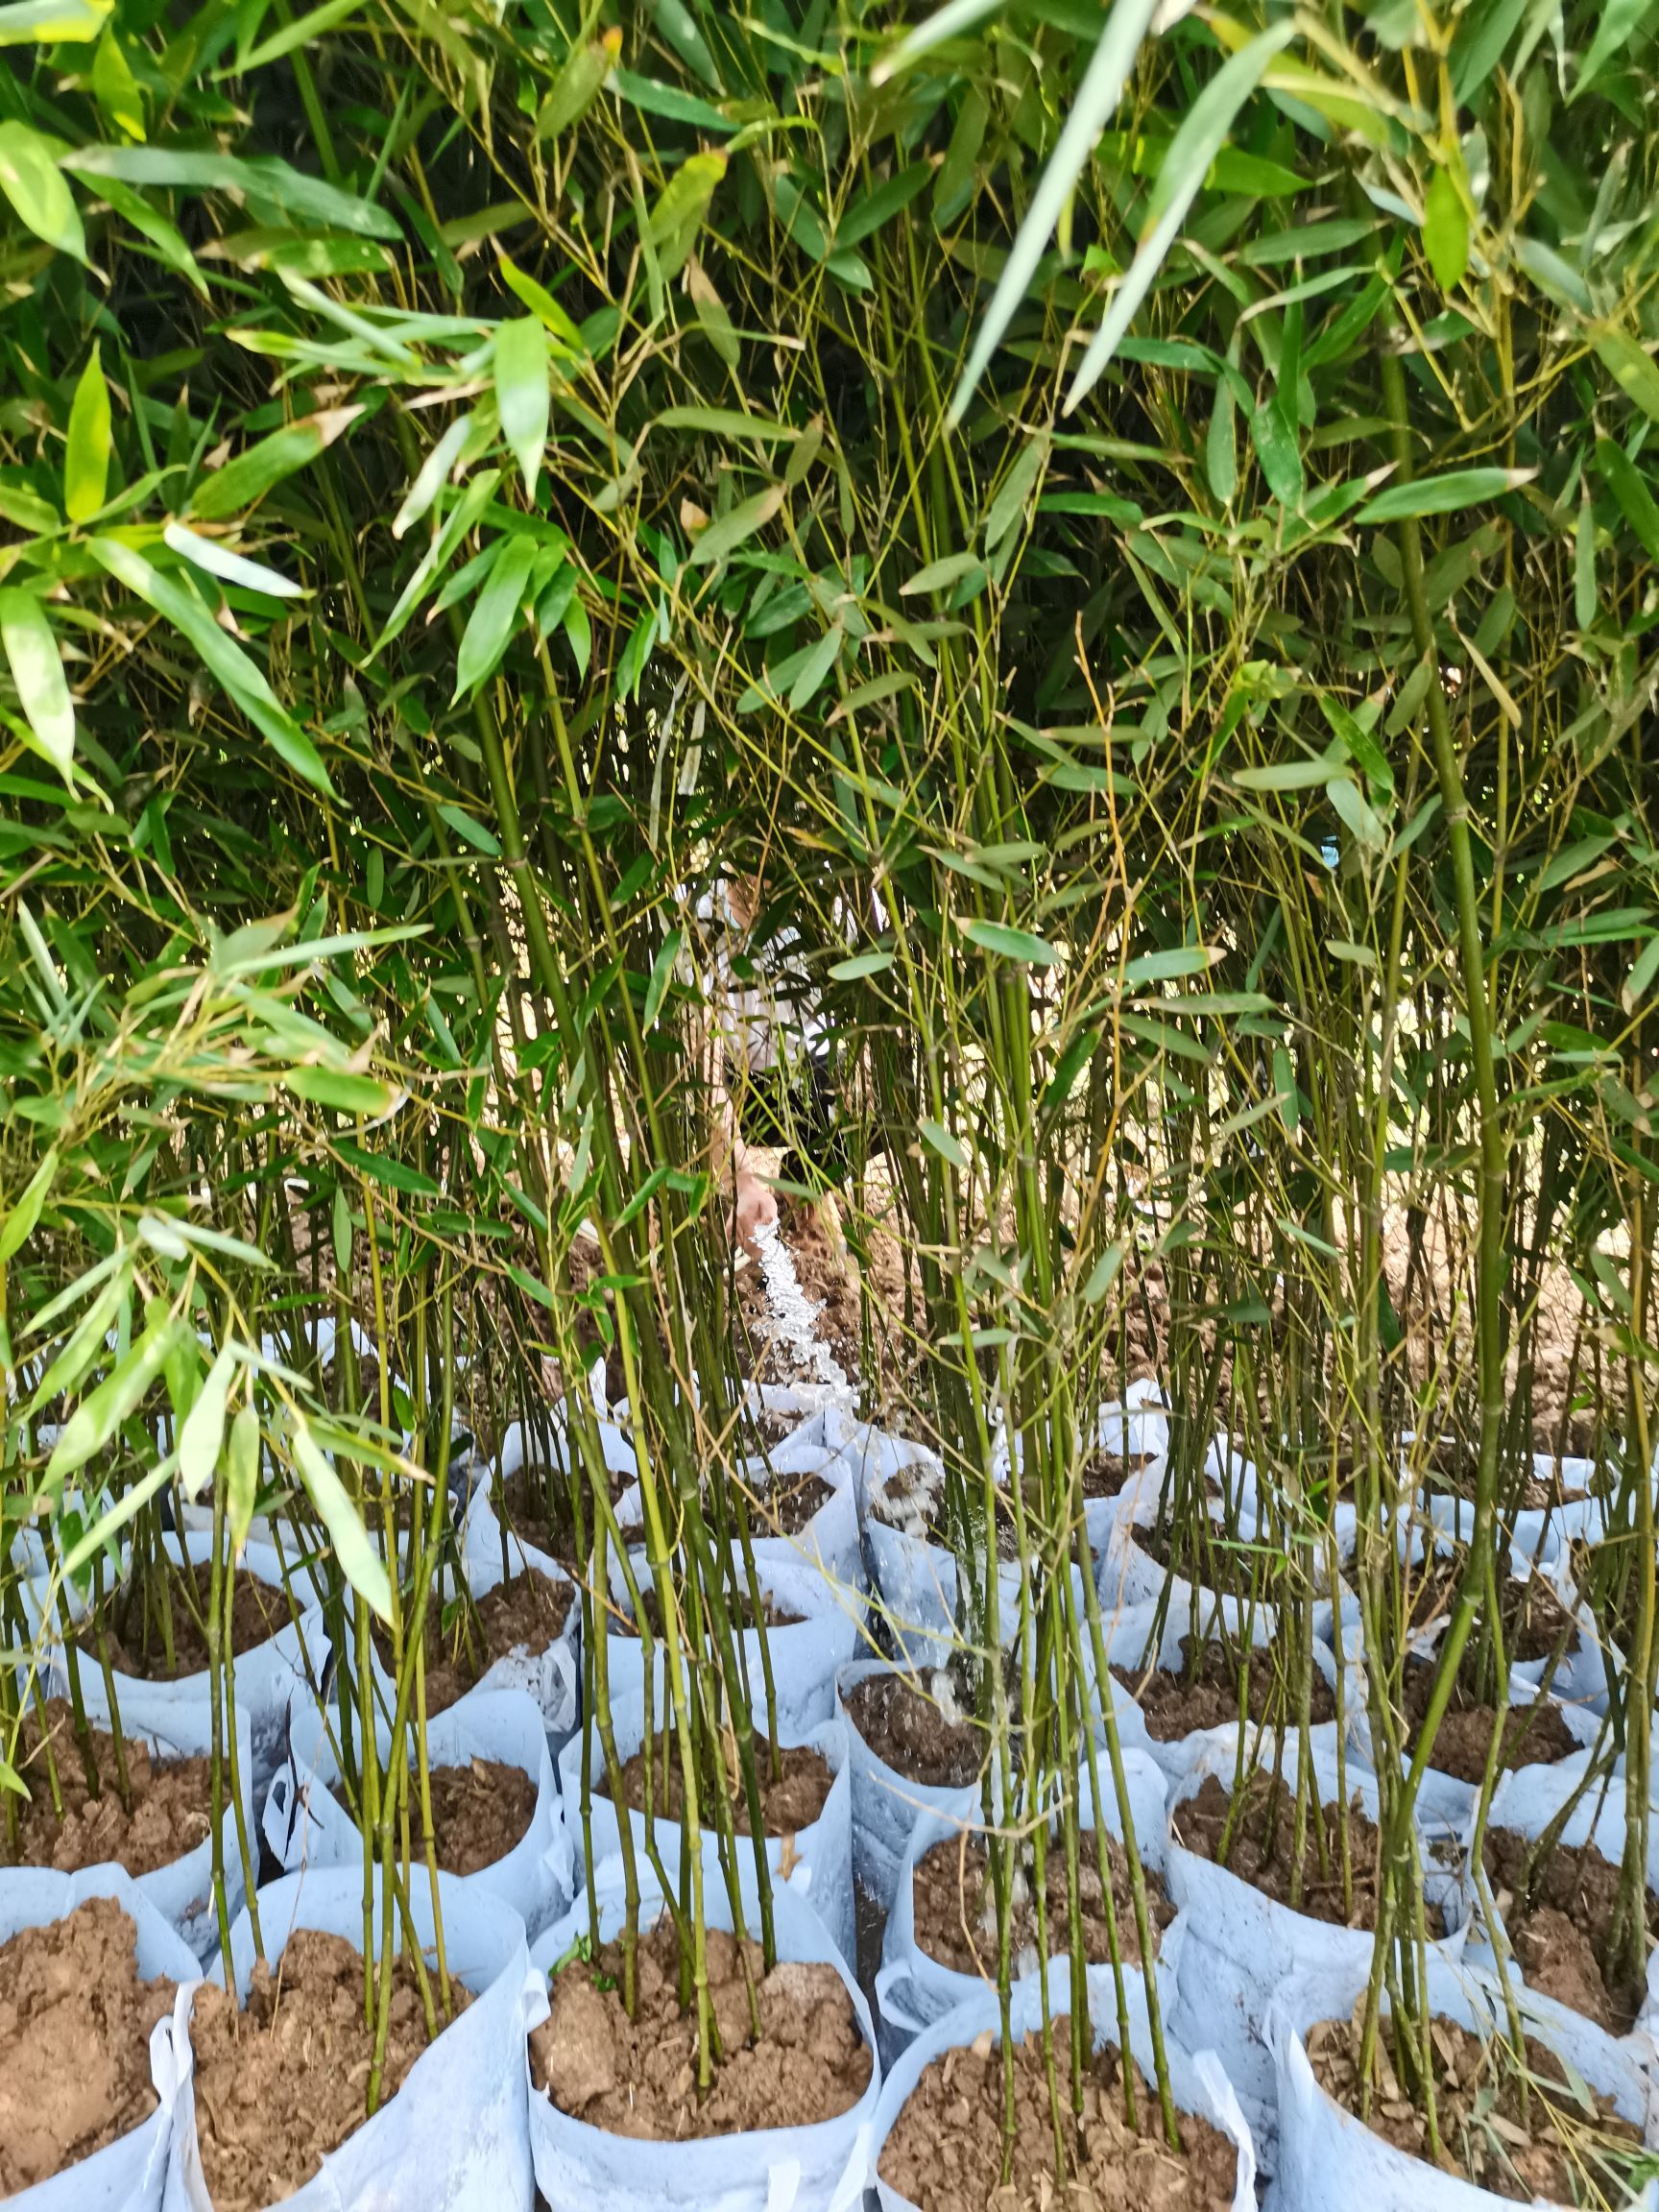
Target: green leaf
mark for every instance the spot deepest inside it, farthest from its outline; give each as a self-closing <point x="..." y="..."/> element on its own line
<point x="1633" y="367"/>
<point x="542" y="304"/>
<point x="32" y="181"/>
<point x="46" y="22"/>
<point x="17" y="1226"/>
<point x="948" y="1147"/>
<point x="820" y="658"/>
<point x="38" y="671"/>
<point x="173" y="598"/>
<point x="521" y="391"/>
<point x="202" y="1436"/>
<point x="1642" y="971"/>
<point x="471" y="832"/>
<point x="1619" y="473"/>
<point x="662" y="975"/>
<point x="867" y="215"/>
<point x="1092" y="107"/>
<point x="240" y="482"/>
<point x="576" y="86"/>
<point x="1446" y="230"/>
<point x="342" y="1090"/>
<point x="1009" y="944"/>
<point x="678" y="216"/>
<point x="940" y="575"/>
<point x="1446" y="494"/>
<point x="242" y="1487"/>
<point x="860" y="965"/>
<point x="262" y="178"/>
<point x="216" y="560"/>
<point x="1616" y="25"/>
<point x="495" y="617"/>
<point x="86" y="450"/>
<point x="653" y="98"/>
<point x="1284" y="776"/>
<point x="727" y="422"/>
<point x="1584" y="594"/>
<point x="1192" y="149"/>
<point x="100" y="1414"/>
<point x="1278" y="451"/>
<point x="1171" y="964"/>
<point x="1016" y="488"/>
<point x="432" y="476"/>
<point x="1354" y="814"/>
<point x="359" y="1562"/>
<point x="727" y="532"/>
<point x="1103" y="1274"/>
<point x="382" y="1167"/>
<point x="1221" y="446"/>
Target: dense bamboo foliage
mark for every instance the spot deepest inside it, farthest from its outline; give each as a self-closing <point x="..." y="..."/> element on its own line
<point x="1131" y="531"/>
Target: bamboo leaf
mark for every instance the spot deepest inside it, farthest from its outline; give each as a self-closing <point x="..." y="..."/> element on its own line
<point x="242" y="1488"/>
<point x="202" y="1434"/>
<point x="100" y="1414"/>
<point x="1192" y="149"/>
<point x="18" y="1224"/>
<point x="1447" y="495"/>
<point x="38" y="671"/>
<point x="261" y="179"/>
<point x="247" y="478"/>
<point x="521" y="393"/>
<point x="359" y="1562"/>
<point x="86" y="449"/>
<point x="495" y="616"/>
<point x="948" y="1147"/>
<point x="49" y="22"/>
<point x="1010" y="944"/>
<point x="728" y="532"/>
<point x="940" y="575"/>
<point x="576" y="86"/>
<point x="217" y="559"/>
<point x="31" y="180"/>
<point x="1446" y="230"/>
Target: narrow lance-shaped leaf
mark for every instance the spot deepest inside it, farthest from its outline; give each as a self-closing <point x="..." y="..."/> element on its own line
<point x="201" y="1434"/>
<point x="32" y="181"/>
<point x="47" y="22"/>
<point x="521" y="393"/>
<point x="1192" y="149"/>
<point x="86" y="451"/>
<point x="240" y="482"/>
<point x="38" y="671"/>
<point x="359" y="1562"/>
<point x="489" y="627"/>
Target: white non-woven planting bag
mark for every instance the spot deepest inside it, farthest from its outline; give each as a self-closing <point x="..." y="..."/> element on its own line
<point x="819" y="1854"/>
<point x="1530" y="1801"/>
<point x="829" y="1540"/>
<point x="886" y="1804"/>
<point x="305" y="1824"/>
<point x="175" y="1721"/>
<point x="809" y="2168"/>
<point x="804" y="1656"/>
<point x="128" y="2175"/>
<point x="454" y="2137"/>
<point x="1197" y="2081"/>
<point x="1330" y="2161"/>
<point x="1445" y="1800"/>
<point x="913" y="1989"/>
<point x="553" y="1675"/>
<point x="1240" y="1945"/>
<point x="266" y="1677"/>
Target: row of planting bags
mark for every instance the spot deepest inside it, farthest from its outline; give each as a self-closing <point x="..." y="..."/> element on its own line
<point x="1245" y="1986"/>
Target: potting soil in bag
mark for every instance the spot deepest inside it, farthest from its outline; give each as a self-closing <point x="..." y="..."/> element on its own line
<point x="1529" y="1803"/>
<point x="453" y="2138"/>
<point x="551" y="1676"/>
<point x="1330" y="2161"/>
<point x="174" y="1720"/>
<point x="913" y="1988"/>
<point x="887" y="1804"/>
<point x="305" y="1824"/>
<point x="1197" y="2081"/>
<point x="813" y="2167"/>
<point x="814" y="1861"/>
<point x="803" y="1650"/>
<point x="1238" y="1943"/>
<point x="128" y="2175"/>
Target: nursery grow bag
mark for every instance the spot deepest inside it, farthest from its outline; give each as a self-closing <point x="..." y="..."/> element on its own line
<point x="886" y="1804"/>
<point x="1197" y="2081"/>
<point x="454" y="2138"/>
<point x="914" y="1989"/>
<point x="129" y="2174"/>
<point x="305" y="1824"/>
<point x="819" y="1854"/>
<point x="819" y="2168"/>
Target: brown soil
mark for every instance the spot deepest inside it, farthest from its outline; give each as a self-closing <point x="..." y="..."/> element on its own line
<point x="738" y="1607"/>
<point x="904" y="1726"/>
<point x="523" y="1503"/>
<point x="944" y="2152"/>
<point x="1105" y="1475"/>
<point x="169" y="1812"/>
<point x="136" y="1642"/>
<point x="954" y="1906"/>
<point x="787" y="1805"/>
<point x="75" y="2022"/>
<point x="792" y="1502"/>
<point x="1533" y="1735"/>
<point x="1560" y="1925"/>
<point x="528" y="1613"/>
<point x="775" y="1429"/>
<point x="809" y="2064"/>
<point x="1175" y="1704"/>
<point x="1258" y="1850"/>
<point x="283" y="2082"/>
<point x="1534" y="1620"/>
<point x="479" y="1813"/>
<point x="1479" y="2112"/>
